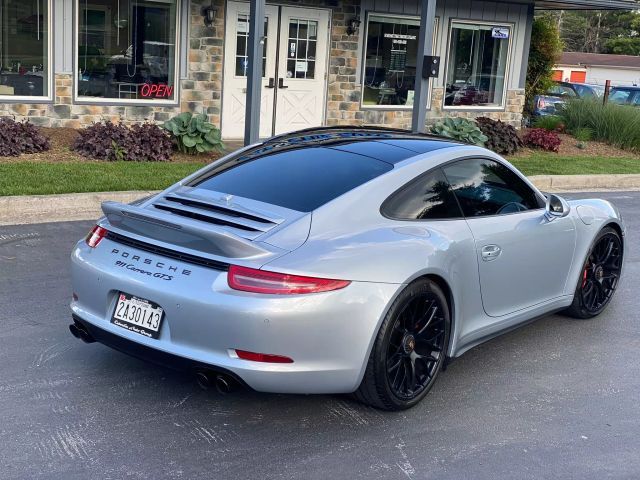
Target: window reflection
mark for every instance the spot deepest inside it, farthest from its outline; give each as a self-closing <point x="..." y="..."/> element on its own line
<point x="428" y="197"/>
<point x="477" y="65"/>
<point x="24" y="40"/>
<point x="126" y="49"/>
<point x="485" y="187"/>
<point x="390" y="61"/>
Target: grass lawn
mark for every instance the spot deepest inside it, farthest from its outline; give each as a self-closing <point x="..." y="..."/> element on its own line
<point x="42" y="178"/>
<point x="24" y="177"/>
<point x="553" y="164"/>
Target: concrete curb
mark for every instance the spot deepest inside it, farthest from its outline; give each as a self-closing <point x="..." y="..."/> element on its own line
<point x="586" y="183"/>
<point x="26" y="209"/>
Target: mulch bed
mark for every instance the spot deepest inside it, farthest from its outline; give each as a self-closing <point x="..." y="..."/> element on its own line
<point x="569" y="148"/>
<point x="63" y="138"/>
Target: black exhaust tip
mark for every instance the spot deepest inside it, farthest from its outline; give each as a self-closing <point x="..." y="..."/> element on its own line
<point x="74" y="330"/>
<point x="79" y="331"/>
<point x="203" y="380"/>
<point x="223" y="383"/>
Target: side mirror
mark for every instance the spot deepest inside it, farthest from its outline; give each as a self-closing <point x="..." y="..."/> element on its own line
<point x="557" y="207"/>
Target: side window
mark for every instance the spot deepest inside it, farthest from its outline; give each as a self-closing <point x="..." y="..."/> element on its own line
<point x="619" y="96"/>
<point x="428" y="197"/>
<point x="561" y="91"/>
<point x="485" y="187"/>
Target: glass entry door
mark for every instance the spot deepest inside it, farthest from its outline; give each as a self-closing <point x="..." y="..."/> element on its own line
<point x="294" y="69"/>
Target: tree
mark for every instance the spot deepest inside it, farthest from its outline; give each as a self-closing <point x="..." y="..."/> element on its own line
<point x="544" y="53"/>
<point x="623" y="46"/>
<point x="594" y="31"/>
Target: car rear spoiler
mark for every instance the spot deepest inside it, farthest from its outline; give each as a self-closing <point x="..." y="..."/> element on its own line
<point x="185" y="233"/>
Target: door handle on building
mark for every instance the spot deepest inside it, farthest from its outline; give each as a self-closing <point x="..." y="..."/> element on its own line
<point x="490" y="252"/>
<point x="281" y="83"/>
<point x="271" y="83"/>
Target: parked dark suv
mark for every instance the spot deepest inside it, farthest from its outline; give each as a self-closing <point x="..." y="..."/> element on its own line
<point x="560" y="92"/>
<point x="625" y="96"/>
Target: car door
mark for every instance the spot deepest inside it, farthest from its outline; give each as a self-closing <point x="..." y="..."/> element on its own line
<point x="523" y="257"/>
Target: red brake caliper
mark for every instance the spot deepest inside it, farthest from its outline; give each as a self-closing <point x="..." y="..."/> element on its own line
<point x="584" y="275"/>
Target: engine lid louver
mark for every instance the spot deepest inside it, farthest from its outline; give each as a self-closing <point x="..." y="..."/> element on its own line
<point x="235" y="219"/>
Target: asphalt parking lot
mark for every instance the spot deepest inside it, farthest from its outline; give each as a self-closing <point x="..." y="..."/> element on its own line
<point x="559" y="398"/>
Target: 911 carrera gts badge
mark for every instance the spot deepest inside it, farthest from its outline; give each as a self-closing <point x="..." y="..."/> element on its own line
<point x="143" y="265"/>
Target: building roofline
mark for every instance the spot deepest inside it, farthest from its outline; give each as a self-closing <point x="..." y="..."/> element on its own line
<point x="586" y="5"/>
<point x="600" y="60"/>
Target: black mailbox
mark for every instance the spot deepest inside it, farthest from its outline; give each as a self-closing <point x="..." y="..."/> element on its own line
<point x="430" y="66"/>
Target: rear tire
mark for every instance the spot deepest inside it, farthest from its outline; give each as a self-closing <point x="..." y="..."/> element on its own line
<point x="409" y="350"/>
<point x="600" y="276"/>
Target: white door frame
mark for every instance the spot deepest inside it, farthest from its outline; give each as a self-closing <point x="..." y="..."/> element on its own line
<point x="229" y="47"/>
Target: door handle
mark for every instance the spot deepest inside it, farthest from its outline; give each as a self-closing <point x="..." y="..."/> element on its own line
<point x="490" y="252"/>
<point x="271" y="83"/>
<point x="281" y="83"/>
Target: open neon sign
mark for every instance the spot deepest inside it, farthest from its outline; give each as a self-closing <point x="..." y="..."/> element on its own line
<point x="156" y="90"/>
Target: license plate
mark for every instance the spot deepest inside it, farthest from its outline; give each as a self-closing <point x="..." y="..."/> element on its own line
<point x="138" y="315"/>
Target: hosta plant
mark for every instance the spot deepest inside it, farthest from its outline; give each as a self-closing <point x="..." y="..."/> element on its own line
<point x="460" y="129"/>
<point x="501" y="137"/>
<point x="541" y="138"/>
<point x="193" y="133"/>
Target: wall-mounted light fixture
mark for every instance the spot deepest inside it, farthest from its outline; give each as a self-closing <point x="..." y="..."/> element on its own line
<point x="208" y="14"/>
<point x="353" y="25"/>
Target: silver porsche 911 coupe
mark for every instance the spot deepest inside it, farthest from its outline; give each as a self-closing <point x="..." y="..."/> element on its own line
<point x="339" y="260"/>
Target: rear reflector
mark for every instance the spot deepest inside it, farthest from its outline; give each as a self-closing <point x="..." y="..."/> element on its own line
<point x="95" y="236"/>
<point x="260" y="281"/>
<point x="262" y="357"/>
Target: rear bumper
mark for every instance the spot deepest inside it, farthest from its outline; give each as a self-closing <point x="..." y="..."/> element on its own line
<point x="328" y="335"/>
<point x="148" y="354"/>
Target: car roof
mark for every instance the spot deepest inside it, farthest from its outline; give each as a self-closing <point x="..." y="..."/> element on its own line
<point x="384" y="144"/>
<point x="625" y="87"/>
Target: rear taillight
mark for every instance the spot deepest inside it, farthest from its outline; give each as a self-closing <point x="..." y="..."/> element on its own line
<point x="95" y="236"/>
<point x="541" y="104"/>
<point x="259" y="281"/>
<point x="262" y="357"/>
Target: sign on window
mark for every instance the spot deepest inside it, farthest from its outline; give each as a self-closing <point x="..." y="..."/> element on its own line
<point x="500" y="32"/>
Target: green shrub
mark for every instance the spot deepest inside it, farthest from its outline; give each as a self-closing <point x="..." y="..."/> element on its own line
<point x="193" y="133"/>
<point x="583" y="134"/>
<point x="460" y="129"/>
<point x="546" y="49"/>
<point x="617" y="125"/>
<point x="553" y="123"/>
<point x="501" y="137"/>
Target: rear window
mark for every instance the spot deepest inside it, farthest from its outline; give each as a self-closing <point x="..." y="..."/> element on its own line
<point x="301" y="179"/>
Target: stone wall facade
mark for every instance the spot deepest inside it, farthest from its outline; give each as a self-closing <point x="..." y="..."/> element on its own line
<point x="201" y="90"/>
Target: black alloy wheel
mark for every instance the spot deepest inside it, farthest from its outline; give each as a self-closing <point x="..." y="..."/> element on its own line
<point x="409" y="350"/>
<point x="416" y="346"/>
<point x="600" y="276"/>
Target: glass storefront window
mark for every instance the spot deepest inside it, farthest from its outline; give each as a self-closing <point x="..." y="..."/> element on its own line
<point x="478" y="56"/>
<point x="24" y="48"/>
<point x="242" y="47"/>
<point x="389" y="74"/>
<point x="126" y="49"/>
<point x="301" y="60"/>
